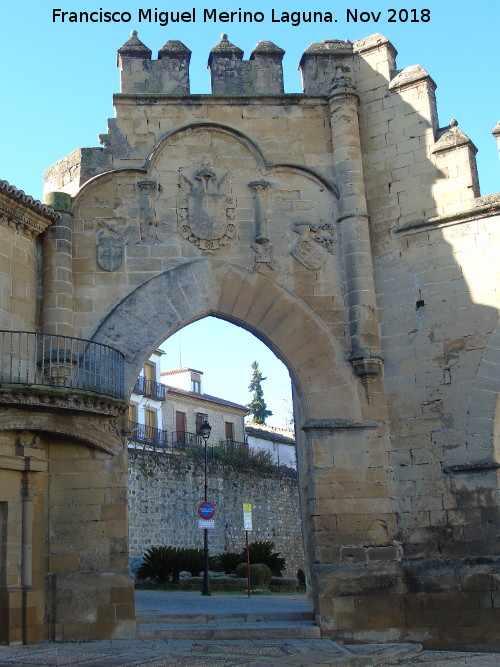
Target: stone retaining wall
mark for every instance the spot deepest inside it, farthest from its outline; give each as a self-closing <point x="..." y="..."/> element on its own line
<point x="165" y="491"/>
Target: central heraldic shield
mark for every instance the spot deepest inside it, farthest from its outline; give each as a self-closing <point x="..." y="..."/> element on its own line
<point x="206" y="211"/>
<point x="207" y="215"/>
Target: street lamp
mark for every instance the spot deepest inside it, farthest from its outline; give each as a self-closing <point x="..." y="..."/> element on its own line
<point x="205" y="430"/>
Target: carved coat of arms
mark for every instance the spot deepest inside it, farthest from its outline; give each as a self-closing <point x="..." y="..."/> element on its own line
<point x="205" y="209"/>
<point x="306" y="250"/>
<point x="110" y="250"/>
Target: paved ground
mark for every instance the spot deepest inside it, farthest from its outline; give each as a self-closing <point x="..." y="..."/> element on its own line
<point x="191" y="602"/>
<point x="250" y="653"/>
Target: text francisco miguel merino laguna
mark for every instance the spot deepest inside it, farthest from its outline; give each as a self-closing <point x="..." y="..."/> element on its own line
<point x="208" y="15"/>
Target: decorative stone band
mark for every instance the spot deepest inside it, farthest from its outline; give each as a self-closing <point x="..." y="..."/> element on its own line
<point x="478" y="467"/>
<point x="23" y="463"/>
<point x="480" y="208"/>
<point x="337" y="425"/>
<point x="29" y="226"/>
<point x="103" y="432"/>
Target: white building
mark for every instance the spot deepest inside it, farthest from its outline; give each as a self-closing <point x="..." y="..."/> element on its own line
<point x="144" y="412"/>
<point x="167" y="409"/>
<point x="279" y="442"/>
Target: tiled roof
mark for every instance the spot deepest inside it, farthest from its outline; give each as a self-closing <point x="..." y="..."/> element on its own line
<point x="26" y="200"/>
<point x="205" y="397"/>
<point x="173" y="371"/>
<point x="271" y="433"/>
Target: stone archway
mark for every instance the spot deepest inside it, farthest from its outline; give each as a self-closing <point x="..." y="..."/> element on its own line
<point x="330" y="408"/>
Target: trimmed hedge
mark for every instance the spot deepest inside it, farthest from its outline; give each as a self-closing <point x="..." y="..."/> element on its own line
<point x="260" y="573"/>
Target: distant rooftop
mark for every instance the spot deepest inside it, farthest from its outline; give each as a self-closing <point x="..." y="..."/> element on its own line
<point x="173" y="371"/>
<point x="205" y="397"/>
<point x="273" y="433"/>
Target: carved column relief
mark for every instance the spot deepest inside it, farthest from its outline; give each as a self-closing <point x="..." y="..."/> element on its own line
<point x="263" y="249"/>
<point x="148" y="223"/>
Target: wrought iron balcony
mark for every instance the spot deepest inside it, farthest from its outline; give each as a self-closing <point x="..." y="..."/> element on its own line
<point x="30" y="358"/>
<point x="150" y="388"/>
<point x="224" y="453"/>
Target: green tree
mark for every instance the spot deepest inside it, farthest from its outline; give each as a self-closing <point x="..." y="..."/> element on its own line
<point x="257" y="405"/>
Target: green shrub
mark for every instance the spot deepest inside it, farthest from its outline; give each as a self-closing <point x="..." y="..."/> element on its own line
<point x="284" y="582"/>
<point x="260" y="574"/>
<point x="227" y="562"/>
<point x="262" y="552"/>
<point x="164" y="564"/>
<point x="301" y="576"/>
<point x="161" y="564"/>
<point x="191" y="561"/>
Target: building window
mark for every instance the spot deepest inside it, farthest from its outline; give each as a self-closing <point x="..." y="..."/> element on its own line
<point x="150" y="371"/>
<point x="151" y="422"/>
<point x="132" y="413"/>
<point x="149" y="378"/>
<point x="180" y="427"/>
<point x="200" y="418"/>
<point x="229" y="430"/>
<point x="196" y="383"/>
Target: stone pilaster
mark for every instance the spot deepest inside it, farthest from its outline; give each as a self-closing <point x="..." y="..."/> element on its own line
<point x="358" y="281"/>
<point x="57" y="311"/>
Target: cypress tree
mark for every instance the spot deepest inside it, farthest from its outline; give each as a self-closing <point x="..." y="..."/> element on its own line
<point x="257" y="405"/>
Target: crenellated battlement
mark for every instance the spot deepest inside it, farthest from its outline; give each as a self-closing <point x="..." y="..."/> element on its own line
<point x="399" y="130"/>
<point x="230" y="74"/>
<point x="139" y="74"/>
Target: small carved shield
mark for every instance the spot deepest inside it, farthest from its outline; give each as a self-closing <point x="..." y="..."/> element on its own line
<point x="110" y="253"/>
<point x="308" y="254"/>
<point x="207" y="215"/>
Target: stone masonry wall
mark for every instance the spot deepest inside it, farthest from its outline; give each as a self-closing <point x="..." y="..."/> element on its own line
<point x="165" y="491"/>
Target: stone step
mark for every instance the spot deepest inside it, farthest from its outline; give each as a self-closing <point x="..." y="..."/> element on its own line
<point x="255" y="617"/>
<point x="229" y="631"/>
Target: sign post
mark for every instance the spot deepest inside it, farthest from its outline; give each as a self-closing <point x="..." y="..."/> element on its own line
<point x="206" y="513"/>
<point x="247" y="525"/>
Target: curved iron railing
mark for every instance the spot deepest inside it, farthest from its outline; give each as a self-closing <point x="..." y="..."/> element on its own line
<point x="31" y="358"/>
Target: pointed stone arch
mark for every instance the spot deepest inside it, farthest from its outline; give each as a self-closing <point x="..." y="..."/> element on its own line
<point x="322" y="377"/>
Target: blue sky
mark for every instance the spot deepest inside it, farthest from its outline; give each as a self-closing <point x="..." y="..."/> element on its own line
<point x="57" y="81"/>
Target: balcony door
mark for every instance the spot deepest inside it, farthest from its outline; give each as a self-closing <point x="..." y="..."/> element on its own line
<point x="180" y="426"/>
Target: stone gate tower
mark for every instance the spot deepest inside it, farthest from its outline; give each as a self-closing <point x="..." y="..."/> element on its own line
<point x="342" y="226"/>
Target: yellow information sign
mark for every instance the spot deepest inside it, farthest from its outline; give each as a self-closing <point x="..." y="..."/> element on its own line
<point x="247" y="516"/>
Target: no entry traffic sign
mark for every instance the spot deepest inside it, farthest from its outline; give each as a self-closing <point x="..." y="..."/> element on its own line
<point x="206" y="510"/>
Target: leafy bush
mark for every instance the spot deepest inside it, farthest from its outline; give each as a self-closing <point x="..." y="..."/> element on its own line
<point x="227" y="562"/>
<point x="164" y="564"/>
<point x="161" y="564"/>
<point x="192" y="561"/>
<point x="260" y="574"/>
<point x="263" y="552"/>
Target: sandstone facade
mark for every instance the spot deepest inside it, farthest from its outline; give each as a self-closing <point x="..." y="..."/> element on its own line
<point x="345" y="228"/>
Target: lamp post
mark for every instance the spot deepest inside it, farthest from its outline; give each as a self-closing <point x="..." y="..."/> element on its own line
<point x="205" y="429"/>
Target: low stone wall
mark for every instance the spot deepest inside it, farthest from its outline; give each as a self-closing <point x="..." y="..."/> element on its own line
<point x="164" y="492"/>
